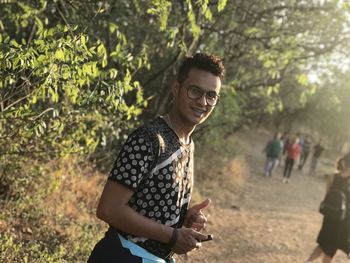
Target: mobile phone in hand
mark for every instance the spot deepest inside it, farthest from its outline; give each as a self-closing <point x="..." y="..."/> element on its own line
<point x="209" y="237"/>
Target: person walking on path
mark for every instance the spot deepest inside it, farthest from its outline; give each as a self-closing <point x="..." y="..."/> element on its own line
<point x="318" y="150"/>
<point x="293" y="153"/>
<point x="273" y="150"/>
<point x="146" y="198"/>
<point x="286" y="140"/>
<point x="335" y="233"/>
<point x="305" y="152"/>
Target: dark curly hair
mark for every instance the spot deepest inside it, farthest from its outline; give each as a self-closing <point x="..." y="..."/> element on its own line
<point x="344" y="162"/>
<point x="202" y="61"/>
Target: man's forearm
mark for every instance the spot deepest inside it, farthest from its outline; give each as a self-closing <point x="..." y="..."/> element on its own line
<point x="129" y="221"/>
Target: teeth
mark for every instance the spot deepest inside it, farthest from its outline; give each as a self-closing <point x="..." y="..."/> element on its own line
<point x="198" y="110"/>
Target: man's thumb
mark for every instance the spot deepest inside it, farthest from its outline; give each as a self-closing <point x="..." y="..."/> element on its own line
<point x="202" y="205"/>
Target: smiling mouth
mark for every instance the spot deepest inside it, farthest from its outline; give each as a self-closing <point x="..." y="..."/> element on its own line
<point x="199" y="112"/>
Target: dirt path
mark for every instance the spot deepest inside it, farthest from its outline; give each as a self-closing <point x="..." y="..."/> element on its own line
<point x="275" y="223"/>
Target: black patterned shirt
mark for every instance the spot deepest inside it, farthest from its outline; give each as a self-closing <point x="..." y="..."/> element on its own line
<point x="158" y="168"/>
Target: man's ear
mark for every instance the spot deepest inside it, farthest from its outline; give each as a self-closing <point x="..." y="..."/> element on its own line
<point x="175" y="88"/>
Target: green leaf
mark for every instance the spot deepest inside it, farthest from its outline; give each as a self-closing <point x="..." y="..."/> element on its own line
<point x="15" y="62"/>
<point x="59" y="54"/>
<point x="302" y="79"/>
<point x="252" y="31"/>
<point x="101" y="50"/>
<point x="14" y="43"/>
<point x="83" y="40"/>
<point x="39" y="24"/>
<point x="221" y="5"/>
<point x="113" y="73"/>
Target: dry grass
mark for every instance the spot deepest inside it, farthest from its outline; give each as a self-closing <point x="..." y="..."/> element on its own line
<point x="220" y="172"/>
<point x="234" y="175"/>
<point x="73" y="188"/>
<point x="226" y="183"/>
<point x="55" y="213"/>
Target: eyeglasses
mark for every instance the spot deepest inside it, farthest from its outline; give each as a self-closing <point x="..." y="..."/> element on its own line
<point x="195" y="93"/>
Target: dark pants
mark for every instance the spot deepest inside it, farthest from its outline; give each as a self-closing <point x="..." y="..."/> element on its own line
<point x="110" y="250"/>
<point x="303" y="159"/>
<point x="288" y="167"/>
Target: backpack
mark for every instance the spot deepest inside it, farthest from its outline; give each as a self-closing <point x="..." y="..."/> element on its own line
<point x="334" y="206"/>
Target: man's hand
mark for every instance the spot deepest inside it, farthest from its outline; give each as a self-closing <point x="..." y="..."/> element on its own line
<point x="188" y="239"/>
<point x="195" y="219"/>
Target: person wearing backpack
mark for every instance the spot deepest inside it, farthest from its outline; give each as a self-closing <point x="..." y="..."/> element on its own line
<point x="273" y="151"/>
<point x="335" y="230"/>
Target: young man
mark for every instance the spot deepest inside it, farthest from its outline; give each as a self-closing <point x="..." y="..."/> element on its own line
<point x="305" y="152"/>
<point x="273" y="150"/>
<point x="318" y="149"/>
<point x="146" y="198"/>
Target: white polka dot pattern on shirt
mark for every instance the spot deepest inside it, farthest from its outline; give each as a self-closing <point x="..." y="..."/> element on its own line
<point x="132" y="162"/>
<point x="159" y="171"/>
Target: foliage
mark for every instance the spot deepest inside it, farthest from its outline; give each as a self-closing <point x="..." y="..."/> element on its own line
<point x="327" y="112"/>
<point x="77" y="76"/>
<point x="72" y="74"/>
<point x="269" y="46"/>
<point x="269" y="49"/>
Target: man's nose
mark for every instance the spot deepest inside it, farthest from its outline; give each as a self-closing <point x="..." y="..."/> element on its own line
<point x="202" y="100"/>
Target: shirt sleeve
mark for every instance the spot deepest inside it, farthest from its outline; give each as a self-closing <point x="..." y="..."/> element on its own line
<point x="134" y="162"/>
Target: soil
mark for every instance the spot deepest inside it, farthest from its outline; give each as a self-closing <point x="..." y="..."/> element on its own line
<point x="269" y="221"/>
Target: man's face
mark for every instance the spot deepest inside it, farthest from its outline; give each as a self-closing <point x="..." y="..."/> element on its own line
<point x="195" y="111"/>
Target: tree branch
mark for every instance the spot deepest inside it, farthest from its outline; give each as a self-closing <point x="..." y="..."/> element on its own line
<point x="161" y="71"/>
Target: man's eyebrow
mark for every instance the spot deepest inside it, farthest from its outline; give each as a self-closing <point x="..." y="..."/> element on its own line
<point x="195" y="86"/>
<point x="209" y="91"/>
